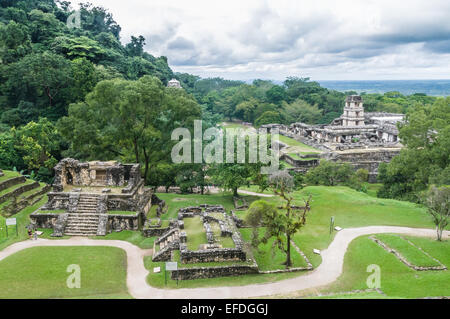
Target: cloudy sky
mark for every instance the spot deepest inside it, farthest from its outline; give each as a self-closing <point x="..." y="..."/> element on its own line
<point x="273" y="39"/>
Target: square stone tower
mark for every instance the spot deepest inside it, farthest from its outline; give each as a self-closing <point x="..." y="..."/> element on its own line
<point x="353" y="111"/>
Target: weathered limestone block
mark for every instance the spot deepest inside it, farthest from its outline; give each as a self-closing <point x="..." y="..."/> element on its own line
<point x="102" y="229"/>
<point x="60" y="225"/>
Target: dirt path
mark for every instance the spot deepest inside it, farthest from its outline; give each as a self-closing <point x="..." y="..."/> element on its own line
<point x="326" y="273"/>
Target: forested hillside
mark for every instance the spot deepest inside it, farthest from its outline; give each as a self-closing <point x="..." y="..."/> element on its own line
<point x="46" y="66"/>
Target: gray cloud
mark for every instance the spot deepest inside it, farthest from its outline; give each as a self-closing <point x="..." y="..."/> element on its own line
<point x="246" y="39"/>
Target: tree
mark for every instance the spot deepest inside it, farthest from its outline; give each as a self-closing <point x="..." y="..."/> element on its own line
<point x="438" y="203"/>
<point x="130" y="120"/>
<point x="40" y="74"/>
<point x="231" y="176"/>
<point x="261" y="213"/>
<point x="269" y="117"/>
<point x="426" y="136"/>
<point x="15" y="42"/>
<point x="284" y="226"/>
<point x="38" y="143"/>
<point x="136" y="46"/>
<point x="301" y="111"/>
<point x="276" y="94"/>
<point x="330" y="174"/>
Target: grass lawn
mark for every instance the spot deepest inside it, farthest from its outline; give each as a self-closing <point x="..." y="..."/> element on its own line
<point x="350" y="209"/>
<point x="40" y="272"/>
<point x="295" y="146"/>
<point x="196" y="234"/>
<point x="411" y="253"/>
<point x="176" y="201"/>
<point x="397" y="280"/>
<point x="8" y="175"/>
<point x="120" y="212"/>
<point x="13" y="188"/>
<point x="271" y="259"/>
<point x="22" y="222"/>
<point x="235" y="125"/>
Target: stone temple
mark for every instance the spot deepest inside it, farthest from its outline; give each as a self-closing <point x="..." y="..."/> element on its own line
<point x="174" y="83"/>
<point x="362" y="139"/>
<point x="96" y="198"/>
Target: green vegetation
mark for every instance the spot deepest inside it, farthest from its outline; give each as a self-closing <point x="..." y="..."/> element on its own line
<point x="424" y="161"/>
<point x="397" y="280"/>
<point x="120" y="212"/>
<point x="195" y="232"/>
<point x="8" y="175"/>
<point x="133" y="237"/>
<point x="411" y="253"/>
<point x="103" y="273"/>
<point x="269" y="257"/>
<point x="22" y="221"/>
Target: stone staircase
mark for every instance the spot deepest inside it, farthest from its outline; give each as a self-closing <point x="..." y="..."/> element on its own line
<point x="85" y="219"/>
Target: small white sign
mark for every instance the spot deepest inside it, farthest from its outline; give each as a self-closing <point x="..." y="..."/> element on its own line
<point x="157" y="270"/>
<point x="316" y="251"/>
<point x="171" y="266"/>
<point x="11" y="222"/>
<point x="338" y="228"/>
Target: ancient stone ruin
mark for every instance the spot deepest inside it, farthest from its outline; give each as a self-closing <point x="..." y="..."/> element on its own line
<point x="94" y="198"/>
<point x="217" y="224"/>
<point x="362" y="139"/>
<point x="174" y="83"/>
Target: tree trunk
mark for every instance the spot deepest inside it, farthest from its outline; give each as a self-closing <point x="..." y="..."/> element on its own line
<point x="136" y="150"/>
<point x="439" y="233"/>
<point x="235" y="192"/>
<point x="147" y="163"/>
<point x="288" y="252"/>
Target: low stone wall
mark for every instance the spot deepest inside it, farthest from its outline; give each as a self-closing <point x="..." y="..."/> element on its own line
<point x="118" y="223"/>
<point x="152" y="232"/>
<point x="212" y="272"/>
<point x="307" y="163"/>
<point x="11" y="182"/>
<point x="210" y="255"/>
<point x="18" y="191"/>
<point x="44" y="220"/>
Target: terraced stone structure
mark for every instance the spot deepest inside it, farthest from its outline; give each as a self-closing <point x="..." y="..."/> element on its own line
<point x="362" y="139"/>
<point x="94" y="197"/>
<point x="17" y="192"/>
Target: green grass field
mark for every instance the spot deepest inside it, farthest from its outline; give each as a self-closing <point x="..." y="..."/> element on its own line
<point x="41" y="272"/>
<point x="195" y="232"/>
<point x="411" y="253"/>
<point x="397" y="280"/>
<point x="295" y="146"/>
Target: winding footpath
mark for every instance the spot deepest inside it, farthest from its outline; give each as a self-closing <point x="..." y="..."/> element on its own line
<point x="328" y="272"/>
